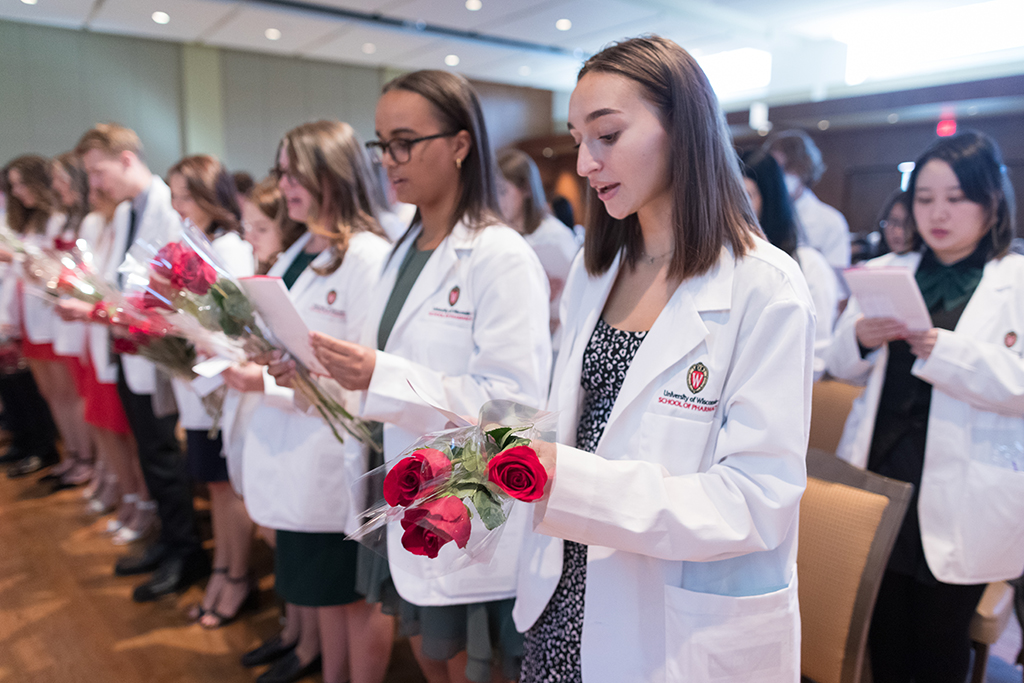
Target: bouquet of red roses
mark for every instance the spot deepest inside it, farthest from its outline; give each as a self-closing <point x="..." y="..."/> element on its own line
<point x="187" y="282"/>
<point x="458" y="486"/>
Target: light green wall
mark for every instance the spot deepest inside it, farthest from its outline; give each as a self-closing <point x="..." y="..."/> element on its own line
<point x="202" y="105"/>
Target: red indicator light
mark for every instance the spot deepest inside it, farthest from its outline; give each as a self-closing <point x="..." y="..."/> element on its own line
<point x="946" y="128"/>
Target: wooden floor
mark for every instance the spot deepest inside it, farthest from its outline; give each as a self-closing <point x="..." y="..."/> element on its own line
<point x="65" y="618"/>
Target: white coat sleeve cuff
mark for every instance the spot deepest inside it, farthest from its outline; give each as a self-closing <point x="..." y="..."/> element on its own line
<point x="570" y="502"/>
<point x="389" y="398"/>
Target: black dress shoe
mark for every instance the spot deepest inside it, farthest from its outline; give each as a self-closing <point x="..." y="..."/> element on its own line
<point x="288" y="669"/>
<point x="32" y="463"/>
<point x="268" y="651"/>
<point x="148" y="561"/>
<point x="174" y="574"/>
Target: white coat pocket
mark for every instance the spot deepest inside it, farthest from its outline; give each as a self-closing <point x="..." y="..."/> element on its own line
<point x="676" y="443"/>
<point x="727" y="639"/>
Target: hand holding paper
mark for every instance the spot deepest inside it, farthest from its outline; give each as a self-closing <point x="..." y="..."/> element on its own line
<point x="889" y="293"/>
<point x="270" y="297"/>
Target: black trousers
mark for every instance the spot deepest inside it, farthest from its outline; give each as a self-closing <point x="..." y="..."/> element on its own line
<point x="28" y="416"/>
<point x="163" y="468"/>
<point x="919" y="631"/>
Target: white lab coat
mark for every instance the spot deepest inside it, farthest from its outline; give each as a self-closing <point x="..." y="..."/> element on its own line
<point x="474" y="328"/>
<point x="100" y="236"/>
<point x="69" y="337"/>
<point x="824" y="288"/>
<point x="971" y="500"/>
<point x="158" y="224"/>
<point x="689" y="506"/>
<point x="296" y="476"/>
<point x="825" y="228"/>
<point x="37" y="311"/>
<point x="236" y="255"/>
<point x="556" y="248"/>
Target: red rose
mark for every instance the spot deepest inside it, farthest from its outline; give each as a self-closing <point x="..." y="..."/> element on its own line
<point x="102" y="312"/>
<point x="517" y="471"/>
<point x="194" y="274"/>
<point x="121" y="345"/>
<point x="166" y="260"/>
<point x="151" y="299"/>
<point x="416" y="476"/>
<point x="431" y="525"/>
<point x="63" y="245"/>
<point x="66" y="281"/>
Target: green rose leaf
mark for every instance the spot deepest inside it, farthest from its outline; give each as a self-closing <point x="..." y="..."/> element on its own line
<point x="488" y="508"/>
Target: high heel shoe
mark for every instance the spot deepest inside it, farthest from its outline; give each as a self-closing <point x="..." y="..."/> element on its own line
<point x="249" y="602"/>
<point x="197" y="611"/>
<point x="140" y="526"/>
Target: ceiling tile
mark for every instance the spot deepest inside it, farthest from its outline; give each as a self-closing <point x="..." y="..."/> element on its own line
<point x="246" y="30"/>
<point x="388" y="44"/>
<point x="189" y="18"/>
<point x="63" y="13"/>
<point x="587" y="17"/>
<point x="453" y="13"/>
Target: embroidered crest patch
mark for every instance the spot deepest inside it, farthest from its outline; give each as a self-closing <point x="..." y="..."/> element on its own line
<point x="453" y="296"/>
<point x="1010" y="339"/>
<point x="697" y="377"/>
<point x="332" y="296"/>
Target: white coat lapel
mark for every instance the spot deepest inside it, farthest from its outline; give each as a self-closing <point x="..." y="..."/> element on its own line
<point x="977" y="320"/>
<point x="677" y="331"/>
<point x="283" y="261"/>
<point x="568" y="391"/>
<point x="433" y="276"/>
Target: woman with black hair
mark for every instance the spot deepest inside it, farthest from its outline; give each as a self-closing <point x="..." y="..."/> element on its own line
<point x="766" y="188"/>
<point x="944" y="410"/>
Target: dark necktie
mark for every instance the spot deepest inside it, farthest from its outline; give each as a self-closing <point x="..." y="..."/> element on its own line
<point x="132" y="225"/>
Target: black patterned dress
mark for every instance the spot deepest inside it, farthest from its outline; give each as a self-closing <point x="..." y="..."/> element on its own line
<point x="552" y="649"/>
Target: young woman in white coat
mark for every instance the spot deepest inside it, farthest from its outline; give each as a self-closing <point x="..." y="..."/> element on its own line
<point x="526" y="210"/>
<point x="766" y="188"/>
<point x="944" y="410"/>
<point x="461" y="312"/>
<point x="297" y="477"/>
<point x="31" y="214"/>
<point x="665" y="544"/>
<point x="203" y="192"/>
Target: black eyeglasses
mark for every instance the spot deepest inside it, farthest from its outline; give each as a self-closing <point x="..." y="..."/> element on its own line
<point x="400" y="149"/>
<point x="279" y="174"/>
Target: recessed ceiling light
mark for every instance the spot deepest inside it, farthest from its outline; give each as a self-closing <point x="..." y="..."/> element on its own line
<point x="893" y="118"/>
<point x="563" y="24"/>
<point x="161" y="17"/>
<point x="30" y="2"/>
<point x="972" y="110"/>
<point x="823" y="124"/>
<point x="473" y="5"/>
<point x="524" y="70"/>
<point x="272" y="34"/>
<point x="369" y="48"/>
<point x="452" y="60"/>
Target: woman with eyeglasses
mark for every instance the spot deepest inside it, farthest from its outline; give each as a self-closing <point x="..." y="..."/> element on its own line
<point x="461" y="313"/>
<point x="296" y="476"/>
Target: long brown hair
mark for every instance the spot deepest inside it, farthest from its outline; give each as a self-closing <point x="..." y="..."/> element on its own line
<point x="212" y="189"/>
<point x="328" y="159"/>
<point x="710" y="207"/>
<point x="71" y="164"/>
<point x="35" y="172"/>
<point x="458" y="108"/>
<point x="266" y="196"/>
<point x="520" y="171"/>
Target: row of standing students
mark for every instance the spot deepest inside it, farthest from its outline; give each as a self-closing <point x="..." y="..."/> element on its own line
<point x="664" y="548"/>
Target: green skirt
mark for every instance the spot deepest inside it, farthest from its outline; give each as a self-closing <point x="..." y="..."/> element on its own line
<point x="315" y="569"/>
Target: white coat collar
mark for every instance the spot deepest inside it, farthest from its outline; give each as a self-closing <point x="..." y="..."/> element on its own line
<point x="435" y="274"/>
<point x="280" y="266"/>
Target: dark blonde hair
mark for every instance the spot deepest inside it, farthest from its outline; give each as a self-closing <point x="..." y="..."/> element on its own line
<point x="710" y="207"/>
<point x="457" y="108"/>
<point x="35" y="172"/>
<point x="212" y="189"/>
<point x="803" y="158"/>
<point x="978" y="164"/>
<point x="71" y="163"/>
<point x="327" y="158"/>
<point x="520" y="170"/>
<point x="266" y="196"/>
<point x="111" y="139"/>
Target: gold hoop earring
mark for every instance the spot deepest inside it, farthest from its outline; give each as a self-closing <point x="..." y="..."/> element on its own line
<point x="458" y="164"/>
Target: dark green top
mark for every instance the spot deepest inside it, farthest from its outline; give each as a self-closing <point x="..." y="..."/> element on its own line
<point x="410" y="269"/>
<point x="301" y="262"/>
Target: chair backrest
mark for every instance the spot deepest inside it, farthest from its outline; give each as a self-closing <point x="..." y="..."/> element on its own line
<point x="830" y="404"/>
<point x="849" y="519"/>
